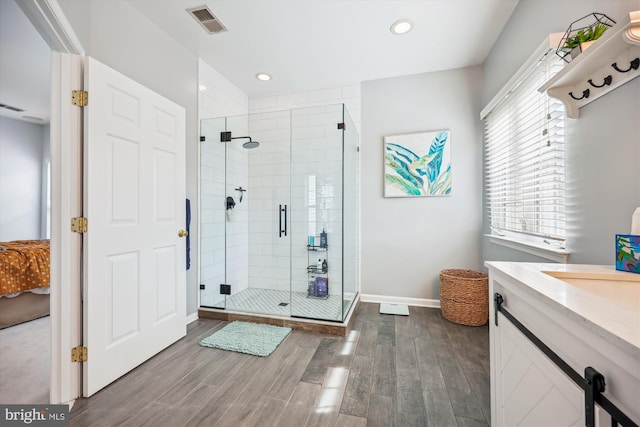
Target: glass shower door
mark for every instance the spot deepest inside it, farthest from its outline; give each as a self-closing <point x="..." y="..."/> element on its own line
<point x="317" y="227"/>
<point x="212" y="213"/>
<point x="258" y="227"/>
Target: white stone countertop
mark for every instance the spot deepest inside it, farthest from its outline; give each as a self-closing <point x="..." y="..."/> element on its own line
<point x="599" y="295"/>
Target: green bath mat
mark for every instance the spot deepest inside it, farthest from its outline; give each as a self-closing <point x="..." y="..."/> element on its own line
<point x="246" y="337"/>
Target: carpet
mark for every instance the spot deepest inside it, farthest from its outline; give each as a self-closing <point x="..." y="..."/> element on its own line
<point x="257" y="339"/>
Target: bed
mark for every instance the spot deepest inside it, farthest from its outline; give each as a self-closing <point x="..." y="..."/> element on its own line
<point x="24" y="281"/>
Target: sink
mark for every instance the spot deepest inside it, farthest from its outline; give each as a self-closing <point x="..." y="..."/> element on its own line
<point x="621" y="288"/>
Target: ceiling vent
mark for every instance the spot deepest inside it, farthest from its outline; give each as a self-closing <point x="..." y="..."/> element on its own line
<point x="207" y="19"/>
<point x="9" y="107"/>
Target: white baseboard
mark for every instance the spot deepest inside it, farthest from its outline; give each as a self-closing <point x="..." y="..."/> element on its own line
<point x="417" y="302"/>
<point x="192" y="317"/>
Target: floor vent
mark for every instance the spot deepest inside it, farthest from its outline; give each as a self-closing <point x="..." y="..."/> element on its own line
<point x="207" y="19"/>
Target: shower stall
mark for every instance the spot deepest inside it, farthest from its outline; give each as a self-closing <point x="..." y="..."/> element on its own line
<point x="279" y="213"/>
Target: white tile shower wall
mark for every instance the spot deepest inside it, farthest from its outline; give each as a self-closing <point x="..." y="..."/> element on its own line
<point x="348" y="94"/>
<point x="269" y="262"/>
<point x="220" y="99"/>
<point x="317" y="153"/>
<point x="317" y="191"/>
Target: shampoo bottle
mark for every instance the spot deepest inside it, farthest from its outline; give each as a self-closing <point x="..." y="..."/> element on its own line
<point x="323" y="238"/>
<point x="325" y="266"/>
<point x="319" y="265"/>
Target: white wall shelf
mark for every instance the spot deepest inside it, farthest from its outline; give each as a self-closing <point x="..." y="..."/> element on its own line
<point x="592" y="74"/>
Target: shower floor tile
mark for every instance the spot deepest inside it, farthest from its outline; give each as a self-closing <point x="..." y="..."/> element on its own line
<point x="268" y="301"/>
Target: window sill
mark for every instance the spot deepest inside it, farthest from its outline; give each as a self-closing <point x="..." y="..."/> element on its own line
<point x="533" y="248"/>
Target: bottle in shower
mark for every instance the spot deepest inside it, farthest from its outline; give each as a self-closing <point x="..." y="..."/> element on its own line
<point x="323" y="238"/>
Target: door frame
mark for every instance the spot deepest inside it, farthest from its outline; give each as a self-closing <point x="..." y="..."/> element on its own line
<point x="66" y="194"/>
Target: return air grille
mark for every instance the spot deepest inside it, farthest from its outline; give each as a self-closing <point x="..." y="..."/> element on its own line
<point x="207" y="19"/>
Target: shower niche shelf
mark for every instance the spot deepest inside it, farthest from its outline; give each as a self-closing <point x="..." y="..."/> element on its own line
<point x="318" y="278"/>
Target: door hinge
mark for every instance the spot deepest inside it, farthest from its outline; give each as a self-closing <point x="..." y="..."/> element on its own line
<point x="79" y="354"/>
<point x="80" y="98"/>
<point x="341" y="126"/>
<point x="79" y="225"/>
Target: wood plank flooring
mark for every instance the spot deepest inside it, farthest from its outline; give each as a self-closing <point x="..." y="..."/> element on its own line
<point x="419" y="370"/>
<point x="25" y="359"/>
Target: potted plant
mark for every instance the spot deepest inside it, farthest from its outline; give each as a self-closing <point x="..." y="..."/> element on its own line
<point x="582" y="33"/>
<point x="584" y="38"/>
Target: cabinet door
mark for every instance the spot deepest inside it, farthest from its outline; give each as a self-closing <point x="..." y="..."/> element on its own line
<point x="530" y="389"/>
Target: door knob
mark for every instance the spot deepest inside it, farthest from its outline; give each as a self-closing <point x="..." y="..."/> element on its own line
<point x="182" y="233"/>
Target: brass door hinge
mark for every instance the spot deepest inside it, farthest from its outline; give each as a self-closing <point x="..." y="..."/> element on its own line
<point x="79" y="354"/>
<point x="80" y="98"/>
<point x="79" y="225"/>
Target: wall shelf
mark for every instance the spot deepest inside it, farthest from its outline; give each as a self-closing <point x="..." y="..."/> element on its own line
<point x="592" y="74"/>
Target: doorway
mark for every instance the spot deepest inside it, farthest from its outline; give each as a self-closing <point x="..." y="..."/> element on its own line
<point x="25" y="208"/>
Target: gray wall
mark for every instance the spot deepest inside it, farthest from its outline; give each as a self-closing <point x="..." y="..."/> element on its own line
<point x="21" y="157"/>
<point x="118" y="35"/>
<point x="407" y="241"/>
<point x="603" y="145"/>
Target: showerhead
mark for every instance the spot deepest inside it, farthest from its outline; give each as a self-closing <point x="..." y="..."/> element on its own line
<point x="250" y="144"/>
<point x="226" y="137"/>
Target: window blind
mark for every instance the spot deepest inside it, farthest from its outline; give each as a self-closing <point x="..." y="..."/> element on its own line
<point x="524" y="157"/>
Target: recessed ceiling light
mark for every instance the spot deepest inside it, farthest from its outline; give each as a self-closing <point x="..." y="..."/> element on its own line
<point x="401" y="26"/>
<point x="34" y="118"/>
<point x="263" y="76"/>
<point x="202" y="88"/>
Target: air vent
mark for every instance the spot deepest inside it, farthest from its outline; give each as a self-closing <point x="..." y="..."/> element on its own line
<point x="207" y="19"/>
<point x="9" y="107"/>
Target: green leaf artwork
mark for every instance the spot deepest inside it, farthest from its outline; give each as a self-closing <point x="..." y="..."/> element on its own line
<point x="417" y="164"/>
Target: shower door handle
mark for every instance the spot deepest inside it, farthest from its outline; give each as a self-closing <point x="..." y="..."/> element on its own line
<point x="285" y="220"/>
<point x="282" y="210"/>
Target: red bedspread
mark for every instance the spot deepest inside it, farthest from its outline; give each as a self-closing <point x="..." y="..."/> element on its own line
<point x="24" y="265"/>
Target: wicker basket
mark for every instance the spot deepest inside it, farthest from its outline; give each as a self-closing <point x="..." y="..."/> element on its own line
<point x="464" y="297"/>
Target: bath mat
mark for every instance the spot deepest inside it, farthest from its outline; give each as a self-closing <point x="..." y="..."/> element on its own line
<point x="257" y="339"/>
<point x="399" y="309"/>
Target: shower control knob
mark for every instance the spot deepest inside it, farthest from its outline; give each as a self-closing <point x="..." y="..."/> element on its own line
<point x="182" y="233"/>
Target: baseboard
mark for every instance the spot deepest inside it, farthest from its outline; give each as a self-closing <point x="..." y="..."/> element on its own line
<point x="417" y="302"/>
<point x="192" y="317"/>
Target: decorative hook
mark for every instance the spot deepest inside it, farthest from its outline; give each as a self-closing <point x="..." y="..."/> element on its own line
<point x="633" y="65"/>
<point x="607" y="81"/>
<point x="585" y="95"/>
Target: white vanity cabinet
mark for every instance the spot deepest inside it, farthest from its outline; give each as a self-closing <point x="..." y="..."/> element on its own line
<point x="588" y="316"/>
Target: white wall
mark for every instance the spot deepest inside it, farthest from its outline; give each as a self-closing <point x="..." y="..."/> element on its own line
<point x="117" y="34"/>
<point x="602" y="153"/>
<point x="21" y="156"/>
<point x="407" y="241"/>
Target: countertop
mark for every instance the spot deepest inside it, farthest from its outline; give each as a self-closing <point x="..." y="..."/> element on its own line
<point x="606" y="300"/>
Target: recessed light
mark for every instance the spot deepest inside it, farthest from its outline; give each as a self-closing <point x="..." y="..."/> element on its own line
<point x="34" y="118"/>
<point x="263" y="76"/>
<point x="202" y="88"/>
<point x="401" y="26"/>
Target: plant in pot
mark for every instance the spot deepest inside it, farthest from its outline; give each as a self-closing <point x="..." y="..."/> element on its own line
<point x="582" y="33"/>
<point x="584" y="38"/>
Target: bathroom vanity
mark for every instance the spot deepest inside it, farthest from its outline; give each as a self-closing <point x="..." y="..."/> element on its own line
<point x="589" y="316"/>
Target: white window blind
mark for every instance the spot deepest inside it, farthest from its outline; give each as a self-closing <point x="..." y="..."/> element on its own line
<point x="524" y="157"/>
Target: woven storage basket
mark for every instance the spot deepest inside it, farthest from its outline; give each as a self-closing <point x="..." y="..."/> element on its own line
<point x="464" y="297"/>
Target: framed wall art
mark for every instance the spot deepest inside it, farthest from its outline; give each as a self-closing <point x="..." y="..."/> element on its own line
<point x="417" y="164"/>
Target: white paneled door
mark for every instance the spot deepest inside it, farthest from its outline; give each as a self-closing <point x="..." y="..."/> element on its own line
<point x="134" y="200"/>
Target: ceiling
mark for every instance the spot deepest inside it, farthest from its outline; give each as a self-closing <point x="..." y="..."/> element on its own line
<point x="303" y="44"/>
<point x="307" y="44"/>
<point x="25" y="66"/>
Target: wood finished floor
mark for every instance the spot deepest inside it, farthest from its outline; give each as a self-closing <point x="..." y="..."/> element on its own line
<point x="389" y="371"/>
